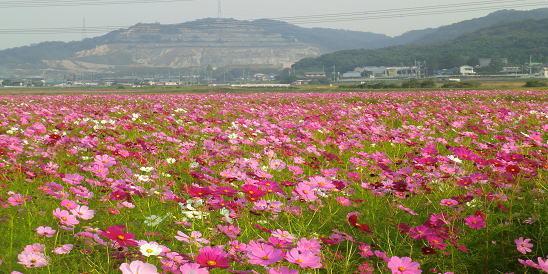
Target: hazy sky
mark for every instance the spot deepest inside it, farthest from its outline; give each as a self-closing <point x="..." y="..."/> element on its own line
<point x="167" y="13"/>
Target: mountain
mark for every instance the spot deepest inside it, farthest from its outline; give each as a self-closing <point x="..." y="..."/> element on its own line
<point x="215" y="42"/>
<point x="450" y="32"/>
<point x="236" y="43"/>
<point x="513" y="41"/>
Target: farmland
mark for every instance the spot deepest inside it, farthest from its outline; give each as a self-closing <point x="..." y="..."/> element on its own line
<point x="384" y="182"/>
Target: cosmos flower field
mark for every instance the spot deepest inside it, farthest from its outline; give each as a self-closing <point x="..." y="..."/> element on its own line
<point x="398" y="182"/>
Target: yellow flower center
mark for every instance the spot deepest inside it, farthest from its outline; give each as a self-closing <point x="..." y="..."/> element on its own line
<point x="211" y="263"/>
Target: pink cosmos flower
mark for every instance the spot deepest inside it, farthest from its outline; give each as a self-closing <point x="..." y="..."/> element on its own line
<point x="283" y="235"/>
<point x="263" y="254"/>
<point x="541" y="265"/>
<point x="311" y="245"/>
<point x="276" y="164"/>
<point x="306" y="192"/>
<point x="365" y="250"/>
<point x="476" y="222"/>
<point x="344" y="201"/>
<point x="230" y="231"/>
<point x="16" y="199"/>
<point x="282" y="270"/>
<point x="45" y="231"/>
<point x="65" y="218"/>
<point x="73" y="179"/>
<point x="408" y="210"/>
<point x="403" y="266"/>
<point x="193" y="268"/>
<point x="104" y="160"/>
<point x="32" y="260"/>
<point x="449" y="202"/>
<point x="138" y="267"/>
<point x="213" y="257"/>
<point x="523" y="245"/>
<point x="366" y="268"/>
<point x="320" y="182"/>
<point x="64" y="249"/>
<point x="68" y="204"/>
<point x="35" y="248"/>
<point x="83" y="212"/>
<point x="195" y="237"/>
<point x="304" y="259"/>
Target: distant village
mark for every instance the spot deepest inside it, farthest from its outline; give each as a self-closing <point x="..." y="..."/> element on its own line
<point x="360" y="74"/>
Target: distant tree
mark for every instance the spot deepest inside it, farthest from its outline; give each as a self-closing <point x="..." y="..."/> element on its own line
<point x="286" y="77"/>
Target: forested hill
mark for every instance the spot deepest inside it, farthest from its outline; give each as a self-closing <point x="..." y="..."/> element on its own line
<point x="515" y="41"/>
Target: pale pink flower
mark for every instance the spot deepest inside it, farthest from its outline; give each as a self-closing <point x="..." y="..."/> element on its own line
<point x="403" y="266"/>
<point x="283" y="235"/>
<point x="263" y="254"/>
<point x="523" y="245"/>
<point x="195" y="237"/>
<point x="83" y="212"/>
<point x="65" y="218"/>
<point x="304" y="259"/>
<point x="138" y="267"/>
<point x="64" y="249"/>
<point x="193" y="268"/>
<point x="45" y="231"/>
<point x="104" y="160"/>
<point x="282" y="270"/>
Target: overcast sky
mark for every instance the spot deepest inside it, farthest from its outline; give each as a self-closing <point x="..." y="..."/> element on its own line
<point x="169" y="13"/>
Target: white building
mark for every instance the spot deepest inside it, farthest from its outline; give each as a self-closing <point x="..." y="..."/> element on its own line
<point x="467" y="70"/>
<point x="351" y="74"/>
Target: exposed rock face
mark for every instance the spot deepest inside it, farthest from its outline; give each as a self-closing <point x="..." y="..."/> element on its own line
<point x="206" y="42"/>
<point x="215" y="42"/>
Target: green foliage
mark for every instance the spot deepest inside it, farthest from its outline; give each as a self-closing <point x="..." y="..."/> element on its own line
<point x="535" y="83"/>
<point x="470" y="84"/>
<point x="515" y="41"/>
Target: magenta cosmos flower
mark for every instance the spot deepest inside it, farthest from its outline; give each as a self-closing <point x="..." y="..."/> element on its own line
<point x="476" y="222"/>
<point x="403" y="266"/>
<point x="263" y="254"/>
<point x="118" y="234"/>
<point x="138" y="267"/>
<point x="213" y="257"/>
<point x="523" y="245"/>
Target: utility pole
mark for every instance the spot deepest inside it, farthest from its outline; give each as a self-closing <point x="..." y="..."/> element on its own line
<point x="219" y="9"/>
<point x="334" y="73"/>
<point x="530" y="65"/>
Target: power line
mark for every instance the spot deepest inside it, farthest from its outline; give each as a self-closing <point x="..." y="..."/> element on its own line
<point x="412" y="14"/>
<point x="465" y="4"/>
<point x="222" y="25"/>
<point x="63" y="3"/>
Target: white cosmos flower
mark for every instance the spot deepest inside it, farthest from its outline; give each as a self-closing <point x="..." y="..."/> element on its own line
<point x="171" y="160"/>
<point x="146" y="169"/>
<point x="454" y="159"/>
<point x="150" y="249"/>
